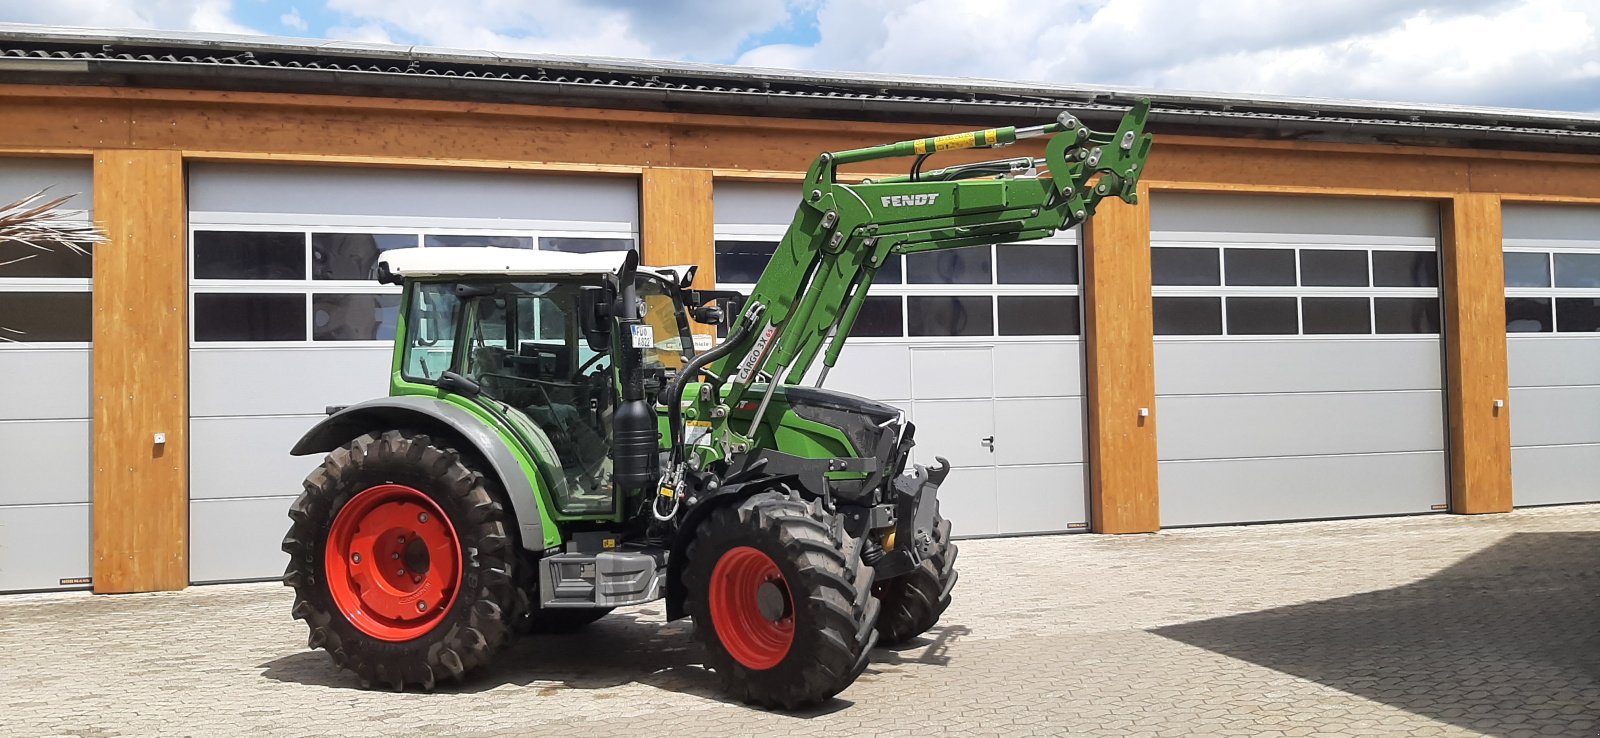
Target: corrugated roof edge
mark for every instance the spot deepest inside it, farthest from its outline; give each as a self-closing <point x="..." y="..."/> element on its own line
<point x="831" y="88"/>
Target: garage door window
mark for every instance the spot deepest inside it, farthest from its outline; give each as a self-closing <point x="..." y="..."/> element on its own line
<point x="1281" y="290"/>
<point x="1550" y="291"/>
<point x="303" y="285"/>
<point x="1011" y="290"/>
<point x="45" y="295"/>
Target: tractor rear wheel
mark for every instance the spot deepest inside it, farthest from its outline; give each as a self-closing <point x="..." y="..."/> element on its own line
<point x="400" y="561"/>
<point x="781" y="601"/>
<point x="913" y="602"/>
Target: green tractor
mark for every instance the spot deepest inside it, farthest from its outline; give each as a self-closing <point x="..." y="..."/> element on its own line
<point x="555" y="444"/>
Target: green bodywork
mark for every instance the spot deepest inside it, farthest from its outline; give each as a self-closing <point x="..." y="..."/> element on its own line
<point x="810" y="294"/>
<point x="808" y="297"/>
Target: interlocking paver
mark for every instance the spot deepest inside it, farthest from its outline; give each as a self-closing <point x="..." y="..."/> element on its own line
<point x="1429" y="626"/>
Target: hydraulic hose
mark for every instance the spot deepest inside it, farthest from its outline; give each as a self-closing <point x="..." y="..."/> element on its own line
<point x="675" y="394"/>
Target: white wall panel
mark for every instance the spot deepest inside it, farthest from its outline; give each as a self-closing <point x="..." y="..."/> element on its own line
<point x="1189" y="367"/>
<point x="22" y="177"/>
<point x="46" y="461"/>
<point x="968" y="500"/>
<point x="878" y="371"/>
<point x="755" y="203"/>
<point x="1555" y="475"/>
<point x="1038" y="430"/>
<point x="1293" y="218"/>
<point x="1544" y="361"/>
<point x="237" y="539"/>
<point x="952" y="372"/>
<point x="40" y="545"/>
<point x="1542" y="416"/>
<point x="1524" y="222"/>
<point x="1040" y="499"/>
<point x="284" y="381"/>
<point x="249" y="456"/>
<point x="1038" y="369"/>
<point x="66" y="373"/>
<point x="1217" y="427"/>
<point x="358" y="196"/>
<point x="1300" y="488"/>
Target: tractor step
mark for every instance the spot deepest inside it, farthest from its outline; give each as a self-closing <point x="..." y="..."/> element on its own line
<point x="605" y="579"/>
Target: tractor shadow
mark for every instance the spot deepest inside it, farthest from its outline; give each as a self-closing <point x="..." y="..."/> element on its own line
<point x="619" y="649"/>
<point x="1507" y="641"/>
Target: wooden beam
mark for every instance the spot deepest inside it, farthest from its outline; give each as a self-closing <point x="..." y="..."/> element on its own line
<point x="676" y="221"/>
<point x="677" y="225"/>
<point x="1475" y="356"/>
<point x="141" y="380"/>
<point x="1118" y="334"/>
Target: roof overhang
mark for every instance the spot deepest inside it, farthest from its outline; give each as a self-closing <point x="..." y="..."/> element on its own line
<point x="52" y="55"/>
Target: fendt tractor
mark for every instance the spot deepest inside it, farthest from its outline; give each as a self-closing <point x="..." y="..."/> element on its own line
<point x="555" y="445"/>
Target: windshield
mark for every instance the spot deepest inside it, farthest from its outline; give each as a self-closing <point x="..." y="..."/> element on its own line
<point x="672" y="345"/>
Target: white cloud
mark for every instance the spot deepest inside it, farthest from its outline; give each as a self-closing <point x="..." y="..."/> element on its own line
<point x="1539" y="53"/>
<point x="182" y="15"/>
<point x="710" y="30"/>
<point x="1525" y="53"/>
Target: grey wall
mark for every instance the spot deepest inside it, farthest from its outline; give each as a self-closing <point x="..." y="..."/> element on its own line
<point x="45" y="441"/>
<point x="1555" y="377"/>
<point x="348" y="196"/>
<point x="247" y="408"/>
<point x="1258" y="428"/>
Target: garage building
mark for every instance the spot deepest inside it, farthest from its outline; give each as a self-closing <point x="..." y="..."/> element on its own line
<point x="1319" y="309"/>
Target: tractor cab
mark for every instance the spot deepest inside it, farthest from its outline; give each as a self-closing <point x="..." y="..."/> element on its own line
<point x="531" y="338"/>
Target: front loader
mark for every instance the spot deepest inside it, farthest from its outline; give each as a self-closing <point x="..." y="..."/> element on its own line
<point x="553" y="444"/>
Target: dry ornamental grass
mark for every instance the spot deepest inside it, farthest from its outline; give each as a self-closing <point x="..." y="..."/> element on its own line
<point x="35" y="225"/>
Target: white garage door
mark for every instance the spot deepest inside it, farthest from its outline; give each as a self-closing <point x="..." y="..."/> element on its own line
<point x="979" y="346"/>
<point x="1552" y="264"/>
<point x="285" y="320"/>
<point x="45" y="314"/>
<point x="1298" y="361"/>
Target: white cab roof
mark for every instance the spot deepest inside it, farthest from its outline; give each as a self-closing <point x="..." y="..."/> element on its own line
<point x="440" y="261"/>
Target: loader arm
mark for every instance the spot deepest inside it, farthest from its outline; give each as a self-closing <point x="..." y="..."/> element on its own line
<point x="811" y="292"/>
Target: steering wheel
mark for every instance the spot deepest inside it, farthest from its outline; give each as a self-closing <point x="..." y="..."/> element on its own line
<point x="583" y="368"/>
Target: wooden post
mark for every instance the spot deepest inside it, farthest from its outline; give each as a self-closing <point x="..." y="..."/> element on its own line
<point x="1475" y="355"/>
<point x="141" y="378"/>
<point x="677" y="225"/>
<point x="1118" y="334"/>
<point x="676" y="220"/>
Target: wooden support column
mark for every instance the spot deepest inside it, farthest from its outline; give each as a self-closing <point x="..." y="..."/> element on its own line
<point x="1475" y="355"/>
<point x="676" y="220"/>
<point x="141" y="377"/>
<point x="676" y="224"/>
<point x="1118" y="334"/>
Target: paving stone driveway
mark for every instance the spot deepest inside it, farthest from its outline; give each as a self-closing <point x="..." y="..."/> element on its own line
<point x="1437" y="625"/>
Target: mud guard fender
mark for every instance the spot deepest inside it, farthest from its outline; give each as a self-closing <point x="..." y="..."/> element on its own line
<point x="428" y="413"/>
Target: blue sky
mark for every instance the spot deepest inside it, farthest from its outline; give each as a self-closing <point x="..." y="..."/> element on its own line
<point x="1513" y="53"/>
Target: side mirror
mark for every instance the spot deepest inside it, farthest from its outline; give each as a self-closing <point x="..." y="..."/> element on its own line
<point x="708" y="314"/>
<point x="594" y="317"/>
<point x="458" y="385"/>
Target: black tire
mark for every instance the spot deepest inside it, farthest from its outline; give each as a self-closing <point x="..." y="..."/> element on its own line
<point x="913" y="602"/>
<point x="477" y="622"/>
<point x="830" y="598"/>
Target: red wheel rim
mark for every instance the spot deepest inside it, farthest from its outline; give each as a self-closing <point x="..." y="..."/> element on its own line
<point x="756" y="636"/>
<point x="393" y="562"/>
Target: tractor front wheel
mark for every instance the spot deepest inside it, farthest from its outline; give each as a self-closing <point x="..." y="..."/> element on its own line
<point x="913" y="602"/>
<point x="781" y="601"/>
<point x="400" y="561"/>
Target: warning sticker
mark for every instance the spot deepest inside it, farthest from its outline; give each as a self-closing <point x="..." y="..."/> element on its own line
<point x="644" y="337"/>
<point x="695" y="430"/>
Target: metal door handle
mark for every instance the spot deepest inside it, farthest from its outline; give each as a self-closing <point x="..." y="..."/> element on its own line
<point x="987" y="442"/>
